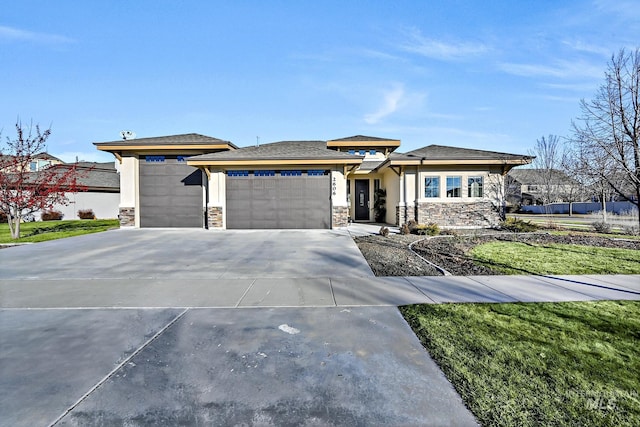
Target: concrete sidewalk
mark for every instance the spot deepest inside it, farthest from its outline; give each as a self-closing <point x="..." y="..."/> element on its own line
<point x="311" y="292"/>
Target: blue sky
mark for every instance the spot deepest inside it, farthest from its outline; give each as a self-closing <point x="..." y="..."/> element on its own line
<point x="494" y="75"/>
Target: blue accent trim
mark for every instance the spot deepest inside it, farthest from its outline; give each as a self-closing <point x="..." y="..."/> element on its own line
<point x="264" y="173"/>
<point x="290" y="173"/>
<point x="315" y="172"/>
<point x="154" y="159"/>
<point x="182" y="158"/>
<point x="237" y="173"/>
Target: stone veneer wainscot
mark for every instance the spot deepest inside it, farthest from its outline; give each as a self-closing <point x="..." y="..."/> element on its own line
<point x="400" y="214"/>
<point x="127" y="217"/>
<point x="214" y="216"/>
<point x="481" y="214"/>
<point x="340" y="216"/>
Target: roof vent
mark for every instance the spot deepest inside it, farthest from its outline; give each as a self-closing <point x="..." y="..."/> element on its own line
<point x="127" y="134"/>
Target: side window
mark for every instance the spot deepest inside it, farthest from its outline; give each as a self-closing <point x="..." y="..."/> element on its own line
<point x="475" y="185"/>
<point x="454" y="186"/>
<point x="432" y="186"/>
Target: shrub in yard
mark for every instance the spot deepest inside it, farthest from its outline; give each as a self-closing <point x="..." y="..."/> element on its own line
<point x="52" y="215"/>
<point x="405" y="229"/>
<point x="413" y="225"/>
<point x="518" y="225"/>
<point x="3" y="217"/>
<point x="431" y="229"/>
<point x="86" y="214"/>
<point x="628" y="229"/>
<point x="601" y="227"/>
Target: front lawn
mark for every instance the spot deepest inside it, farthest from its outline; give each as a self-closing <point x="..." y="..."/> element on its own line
<point x="51" y="230"/>
<point x="552" y="364"/>
<point x="527" y="258"/>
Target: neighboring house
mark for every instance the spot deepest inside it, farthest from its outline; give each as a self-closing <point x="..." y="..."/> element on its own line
<point x="100" y="183"/>
<point x="194" y="181"/>
<point x="102" y="194"/>
<point x="43" y="161"/>
<point x="537" y="186"/>
<point x="38" y="162"/>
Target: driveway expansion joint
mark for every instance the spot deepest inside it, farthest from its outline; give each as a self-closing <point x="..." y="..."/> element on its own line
<point x="119" y="367"/>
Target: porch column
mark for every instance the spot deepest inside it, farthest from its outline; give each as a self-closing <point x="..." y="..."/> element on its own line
<point x="339" y="204"/>
<point x="216" y="215"/>
<point x="128" y="209"/>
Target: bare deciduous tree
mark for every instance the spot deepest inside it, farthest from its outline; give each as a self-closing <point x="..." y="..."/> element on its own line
<point x="24" y="192"/>
<point x="606" y="138"/>
<point x="546" y="172"/>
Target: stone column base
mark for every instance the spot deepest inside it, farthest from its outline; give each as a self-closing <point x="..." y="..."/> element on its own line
<point x="400" y="214"/>
<point x="127" y="217"/>
<point x="214" y="216"/>
<point x="339" y="216"/>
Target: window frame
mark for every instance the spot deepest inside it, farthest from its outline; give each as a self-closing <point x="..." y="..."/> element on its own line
<point x="454" y="191"/>
<point x="432" y="195"/>
<point x="470" y="182"/>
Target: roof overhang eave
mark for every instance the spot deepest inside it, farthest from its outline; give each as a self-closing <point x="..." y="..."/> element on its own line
<point x="388" y="143"/>
<point x="427" y="162"/>
<point x="271" y="162"/>
<point x="161" y="147"/>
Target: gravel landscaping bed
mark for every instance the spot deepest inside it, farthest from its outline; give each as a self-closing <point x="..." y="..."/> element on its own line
<point x="391" y="256"/>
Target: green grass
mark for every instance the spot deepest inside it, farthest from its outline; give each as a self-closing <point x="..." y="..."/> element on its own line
<point x="51" y="230"/>
<point x="592" y="233"/>
<point x="549" y="364"/>
<point x="524" y="258"/>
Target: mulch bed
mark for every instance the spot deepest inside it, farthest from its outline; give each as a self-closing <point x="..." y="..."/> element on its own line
<point x="390" y="256"/>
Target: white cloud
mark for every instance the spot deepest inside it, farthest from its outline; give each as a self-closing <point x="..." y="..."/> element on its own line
<point x="624" y="9"/>
<point x="582" y="46"/>
<point x="391" y="102"/>
<point x="574" y="87"/>
<point x="442" y="50"/>
<point x="16" y="34"/>
<point x="560" y="69"/>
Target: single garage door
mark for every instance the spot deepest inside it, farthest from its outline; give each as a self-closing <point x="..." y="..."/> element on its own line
<point x="170" y="193"/>
<point x="278" y="199"/>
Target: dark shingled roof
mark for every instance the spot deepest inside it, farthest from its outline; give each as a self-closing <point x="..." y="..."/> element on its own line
<point x="370" y="165"/>
<point x="363" y="138"/>
<point x="183" y="139"/>
<point x="96" y="176"/>
<point x="283" y="150"/>
<point x="442" y="152"/>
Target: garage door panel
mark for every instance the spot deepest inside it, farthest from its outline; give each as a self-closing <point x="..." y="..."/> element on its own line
<point x="278" y="201"/>
<point x="170" y="194"/>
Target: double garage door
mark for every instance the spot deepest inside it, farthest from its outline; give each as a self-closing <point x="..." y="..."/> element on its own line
<point x="278" y="199"/>
<point x="170" y="193"/>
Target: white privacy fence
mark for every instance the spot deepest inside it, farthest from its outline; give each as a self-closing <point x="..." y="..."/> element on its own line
<point x="618" y="208"/>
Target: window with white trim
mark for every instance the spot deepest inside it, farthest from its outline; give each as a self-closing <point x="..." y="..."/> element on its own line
<point x="454" y="186"/>
<point x="432" y="186"/>
<point x="475" y="186"/>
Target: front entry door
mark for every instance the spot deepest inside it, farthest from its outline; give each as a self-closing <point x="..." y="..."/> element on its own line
<point x="362" y="200"/>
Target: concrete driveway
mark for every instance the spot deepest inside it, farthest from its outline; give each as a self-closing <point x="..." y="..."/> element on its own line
<point x="69" y="357"/>
<point x="188" y="254"/>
